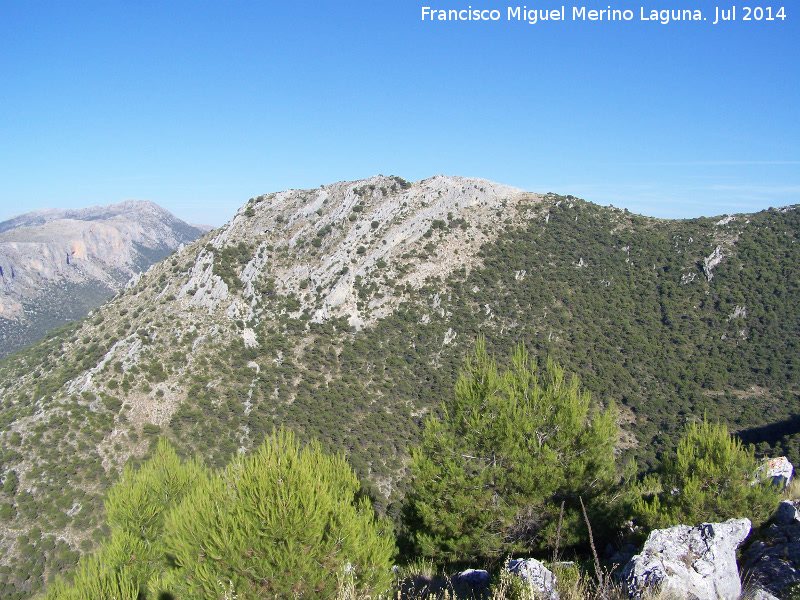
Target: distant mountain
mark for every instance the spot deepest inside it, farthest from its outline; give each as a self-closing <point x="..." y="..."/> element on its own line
<point x="57" y="265"/>
<point x="345" y="313"/>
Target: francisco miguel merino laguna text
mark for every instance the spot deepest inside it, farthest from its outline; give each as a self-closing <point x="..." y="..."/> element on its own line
<point x="579" y="13"/>
<point x="534" y="15"/>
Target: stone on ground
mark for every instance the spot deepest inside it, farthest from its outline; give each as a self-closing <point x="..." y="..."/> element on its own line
<point x="689" y="562"/>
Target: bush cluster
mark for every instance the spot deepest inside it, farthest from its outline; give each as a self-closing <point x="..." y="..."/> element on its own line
<point x="280" y="523"/>
<point x="505" y="468"/>
<point x="710" y="478"/>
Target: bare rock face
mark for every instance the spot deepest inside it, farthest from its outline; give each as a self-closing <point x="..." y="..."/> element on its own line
<point x="773" y="560"/>
<point x="540" y="579"/>
<point x="56" y="265"/>
<point x="338" y="237"/>
<point x="689" y="562"/>
<point x="711" y="261"/>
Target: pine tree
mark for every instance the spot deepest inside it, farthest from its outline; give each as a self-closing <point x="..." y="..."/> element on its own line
<point x="490" y="476"/>
<point x="96" y="579"/>
<point x="284" y="522"/>
<point x="136" y="505"/>
<point x="710" y="478"/>
<point x="136" y="508"/>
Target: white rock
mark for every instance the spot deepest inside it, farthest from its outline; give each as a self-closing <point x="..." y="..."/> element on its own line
<point x="249" y="338"/>
<point x="536" y="575"/>
<point x="738" y="312"/>
<point x="725" y="220"/>
<point x="779" y="470"/>
<point x="689" y="562"/>
<point x="711" y="261"/>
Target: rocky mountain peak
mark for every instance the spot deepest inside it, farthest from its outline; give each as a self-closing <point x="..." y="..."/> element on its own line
<point x="57" y="264"/>
<point x="323" y="246"/>
<point x="345" y="313"/>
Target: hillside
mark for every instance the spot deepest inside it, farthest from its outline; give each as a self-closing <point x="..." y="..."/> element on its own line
<point x="344" y="312"/>
<point x="57" y="265"/>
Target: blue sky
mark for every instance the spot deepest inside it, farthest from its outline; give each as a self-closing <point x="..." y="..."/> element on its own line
<point x="199" y="106"/>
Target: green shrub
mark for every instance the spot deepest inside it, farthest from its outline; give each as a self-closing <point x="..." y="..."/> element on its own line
<point x="95" y="580"/>
<point x="709" y="479"/>
<point x="285" y="522"/>
<point x="111" y="403"/>
<point x="490" y="476"/>
<point x="150" y="429"/>
<point x="7" y="512"/>
<point x="281" y="523"/>
<point x="11" y="483"/>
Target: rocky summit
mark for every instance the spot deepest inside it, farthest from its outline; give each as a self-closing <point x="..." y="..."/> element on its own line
<point x="56" y="265"/>
<point x="345" y="313"/>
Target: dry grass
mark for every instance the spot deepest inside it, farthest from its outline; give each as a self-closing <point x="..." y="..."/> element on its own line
<point x="573" y="584"/>
<point x="792" y="491"/>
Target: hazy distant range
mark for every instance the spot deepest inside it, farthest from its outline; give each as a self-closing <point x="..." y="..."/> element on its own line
<point x="57" y="265"/>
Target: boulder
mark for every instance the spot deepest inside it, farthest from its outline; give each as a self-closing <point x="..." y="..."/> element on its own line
<point x="620" y="558"/>
<point x="474" y="579"/>
<point x="688" y="562"/>
<point x="540" y="579"/>
<point x="777" y="470"/>
<point x="760" y="594"/>
<point x="772" y="561"/>
<point x="786" y="514"/>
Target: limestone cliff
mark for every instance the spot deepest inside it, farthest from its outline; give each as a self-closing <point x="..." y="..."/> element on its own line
<point x="56" y="265"/>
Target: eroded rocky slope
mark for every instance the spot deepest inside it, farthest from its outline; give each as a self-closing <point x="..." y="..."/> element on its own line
<point x="56" y="265"/>
<point x="345" y="312"/>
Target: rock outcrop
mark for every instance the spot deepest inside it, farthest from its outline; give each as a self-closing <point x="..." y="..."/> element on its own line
<point x="472" y="583"/>
<point x="356" y="230"/>
<point x="777" y="470"/>
<point x="711" y="261"/>
<point x="540" y="579"/>
<point x="689" y="562"/>
<point x="773" y="560"/>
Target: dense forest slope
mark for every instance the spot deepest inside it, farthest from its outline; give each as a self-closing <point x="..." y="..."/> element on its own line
<point x="57" y="265"/>
<point x="345" y="312"/>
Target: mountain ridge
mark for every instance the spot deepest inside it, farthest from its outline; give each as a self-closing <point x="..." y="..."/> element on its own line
<point x="387" y="223"/>
<point x="57" y="264"/>
<point x="279" y="318"/>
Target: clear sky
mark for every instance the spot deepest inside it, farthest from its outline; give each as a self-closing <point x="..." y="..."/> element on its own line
<point x="199" y="105"/>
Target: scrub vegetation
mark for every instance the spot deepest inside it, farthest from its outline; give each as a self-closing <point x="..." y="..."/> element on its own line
<point x="657" y="325"/>
<point x="498" y="475"/>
